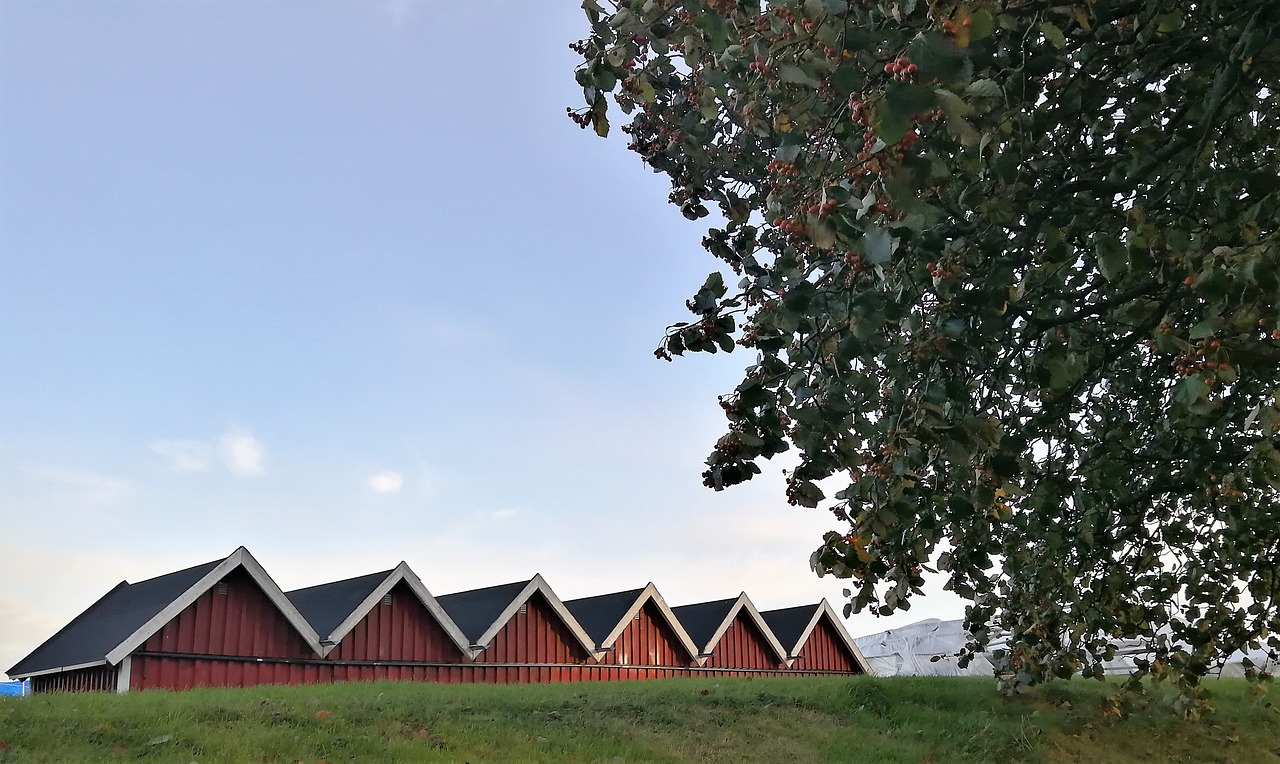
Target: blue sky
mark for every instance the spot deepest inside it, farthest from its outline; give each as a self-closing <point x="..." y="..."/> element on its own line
<point x="340" y="282"/>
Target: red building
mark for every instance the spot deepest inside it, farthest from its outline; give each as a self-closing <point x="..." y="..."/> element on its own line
<point x="815" y="639"/>
<point x="636" y="635"/>
<point x="227" y="623"/>
<point x="732" y="636"/>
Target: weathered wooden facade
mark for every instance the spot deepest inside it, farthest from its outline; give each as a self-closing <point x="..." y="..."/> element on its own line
<point x="815" y="640"/>
<point x="636" y="635"/>
<point x="226" y="623"/>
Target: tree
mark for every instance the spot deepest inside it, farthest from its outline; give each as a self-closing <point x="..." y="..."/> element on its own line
<point x="1010" y="271"/>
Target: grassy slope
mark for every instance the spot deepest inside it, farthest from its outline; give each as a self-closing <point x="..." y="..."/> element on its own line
<point x="730" y="720"/>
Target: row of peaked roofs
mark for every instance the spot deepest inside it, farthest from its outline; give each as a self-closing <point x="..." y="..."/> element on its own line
<point x="227" y="623"/>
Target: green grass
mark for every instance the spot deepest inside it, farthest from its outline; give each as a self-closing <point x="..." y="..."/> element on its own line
<point x="917" y="720"/>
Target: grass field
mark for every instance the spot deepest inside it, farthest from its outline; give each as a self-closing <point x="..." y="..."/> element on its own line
<point x="917" y="720"/>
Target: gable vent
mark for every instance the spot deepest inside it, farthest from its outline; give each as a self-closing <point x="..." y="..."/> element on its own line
<point x="524" y="608"/>
<point x="386" y="600"/>
<point x="223" y="588"/>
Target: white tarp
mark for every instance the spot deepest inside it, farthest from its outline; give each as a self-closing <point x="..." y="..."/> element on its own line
<point x="912" y="649"/>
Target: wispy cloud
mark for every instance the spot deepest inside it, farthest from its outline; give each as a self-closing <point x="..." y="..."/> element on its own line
<point x="242" y="453"/>
<point x="506" y="513"/>
<point x="185" y="455"/>
<point x="386" y="482"/>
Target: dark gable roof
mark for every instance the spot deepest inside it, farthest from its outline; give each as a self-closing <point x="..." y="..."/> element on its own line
<point x="475" y="611"/>
<point x="110" y="621"/>
<point x="788" y="624"/>
<point x="601" y="614"/>
<point x="326" y="606"/>
<point x="702" y="619"/>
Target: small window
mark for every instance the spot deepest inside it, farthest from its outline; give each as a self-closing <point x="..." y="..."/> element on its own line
<point x="223" y="588"/>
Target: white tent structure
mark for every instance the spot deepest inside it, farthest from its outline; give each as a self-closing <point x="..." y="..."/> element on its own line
<point x="929" y="647"/>
<point x="924" y="648"/>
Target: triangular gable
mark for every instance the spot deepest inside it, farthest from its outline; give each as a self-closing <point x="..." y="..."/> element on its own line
<point x="239" y="559"/>
<point x="606" y="616"/>
<point x="496" y="605"/>
<point x="90" y="636"/>
<point x="796" y="625"/>
<point x="600" y="615"/>
<point x="372" y="596"/>
<point x="707" y="622"/>
<point x="326" y="606"/>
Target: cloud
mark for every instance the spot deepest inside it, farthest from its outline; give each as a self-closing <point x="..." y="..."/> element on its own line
<point x="506" y="513"/>
<point x="386" y="482"/>
<point x="185" y="455"/>
<point x="242" y="453"/>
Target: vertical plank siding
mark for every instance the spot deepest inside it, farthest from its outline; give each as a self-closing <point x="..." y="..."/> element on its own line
<point x="234" y="635"/>
<point x="401" y="630"/>
<point x="743" y="646"/>
<point x="824" y="651"/>
<point x="535" y="635"/>
<point x="647" y="641"/>
<point x="243" y="621"/>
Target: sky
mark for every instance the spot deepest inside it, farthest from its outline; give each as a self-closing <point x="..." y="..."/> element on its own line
<point x="339" y="282"/>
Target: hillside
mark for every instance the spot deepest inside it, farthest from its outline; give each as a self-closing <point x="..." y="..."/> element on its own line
<point x="915" y="720"/>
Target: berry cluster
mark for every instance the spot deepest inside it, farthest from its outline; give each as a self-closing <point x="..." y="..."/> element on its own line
<point x="939" y="271"/>
<point x="859" y="110"/>
<point x="728" y="445"/>
<point x="781" y="168"/>
<point x="792" y="225"/>
<point x="1201" y="357"/>
<point x="580" y="117"/>
<point x="821" y="210"/>
<point x="902" y="69"/>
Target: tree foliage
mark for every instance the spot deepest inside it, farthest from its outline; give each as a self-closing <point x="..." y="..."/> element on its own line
<point x="1011" y="274"/>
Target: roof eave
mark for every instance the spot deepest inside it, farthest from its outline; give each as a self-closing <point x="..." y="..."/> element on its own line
<point x="240" y="558"/>
<point x="59" y="669"/>
<point x="538" y="584"/>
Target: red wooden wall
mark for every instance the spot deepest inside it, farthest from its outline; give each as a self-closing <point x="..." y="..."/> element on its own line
<point x="403" y="630"/>
<point x="825" y="651"/>
<point x="743" y="646"/>
<point x="536" y="635"/>
<point x="232" y="620"/>
<point x="648" y="640"/>
<point x="236" y="637"/>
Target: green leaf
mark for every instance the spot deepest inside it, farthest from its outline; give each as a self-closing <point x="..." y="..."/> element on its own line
<point x="1169" y="22"/>
<point x="937" y="56"/>
<point x="890" y="127"/>
<point x="984" y="89"/>
<point x="1113" y="256"/>
<point x="877" y="245"/>
<point x="1189" y="390"/>
<point x="845" y="80"/>
<point x="908" y="100"/>
<point x="981" y="25"/>
<point x="795" y="75"/>
<point x="1206" y="328"/>
<point x="952" y="104"/>
<point x="1053" y="34"/>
